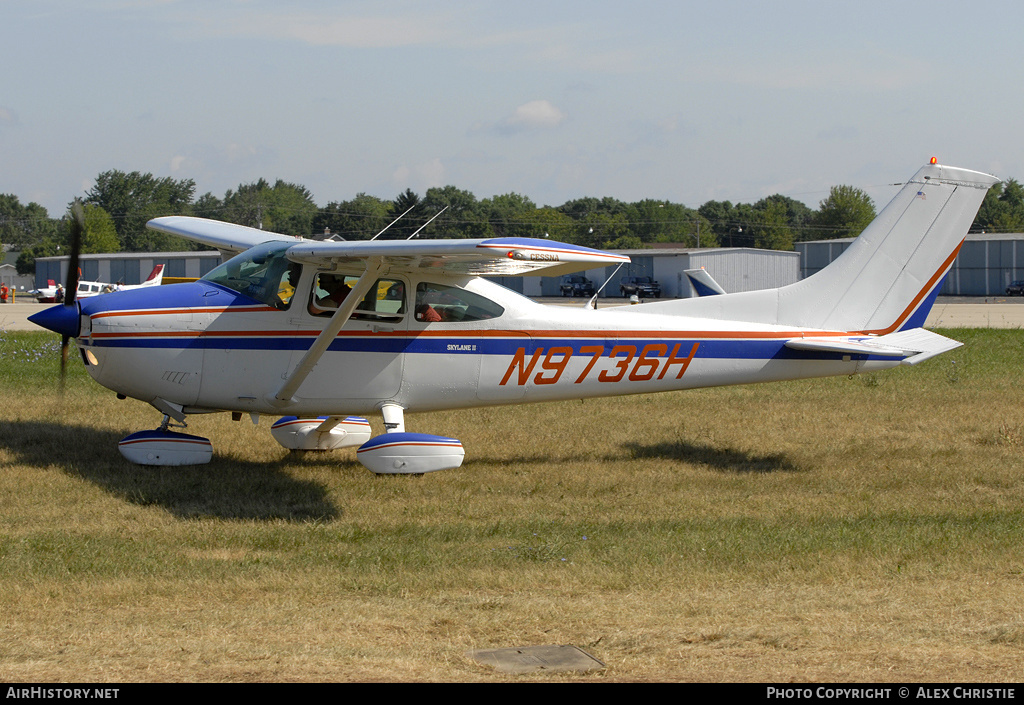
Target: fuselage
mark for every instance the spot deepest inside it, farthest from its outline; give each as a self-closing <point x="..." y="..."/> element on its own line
<point x="205" y="346"/>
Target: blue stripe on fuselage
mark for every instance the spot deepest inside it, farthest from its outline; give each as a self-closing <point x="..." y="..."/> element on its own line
<point x="202" y="297"/>
<point x="432" y="345"/>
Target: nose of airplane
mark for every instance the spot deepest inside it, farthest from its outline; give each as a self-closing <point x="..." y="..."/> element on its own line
<point x="60" y="319"/>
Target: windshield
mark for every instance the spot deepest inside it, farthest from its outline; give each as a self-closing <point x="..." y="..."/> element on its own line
<point x="262" y="273"/>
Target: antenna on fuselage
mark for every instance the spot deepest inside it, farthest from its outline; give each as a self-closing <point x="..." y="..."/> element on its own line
<point x="593" y="299"/>
<point x="427" y="223"/>
<point x="392" y="223"/>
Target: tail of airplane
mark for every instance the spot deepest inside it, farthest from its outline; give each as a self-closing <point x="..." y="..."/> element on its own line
<point x="703" y="283"/>
<point x="886" y="281"/>
<point x="155" y="277"/>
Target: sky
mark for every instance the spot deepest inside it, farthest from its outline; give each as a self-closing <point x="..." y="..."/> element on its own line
<point x="554" y="100"/>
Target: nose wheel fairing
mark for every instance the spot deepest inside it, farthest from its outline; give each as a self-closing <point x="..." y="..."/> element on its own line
<point x="163" y="447"/>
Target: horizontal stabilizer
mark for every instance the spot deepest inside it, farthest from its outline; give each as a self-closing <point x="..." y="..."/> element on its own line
<point x="915" y="345"/>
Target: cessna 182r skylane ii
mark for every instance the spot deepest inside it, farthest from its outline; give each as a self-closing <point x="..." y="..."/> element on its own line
<point x="315" y="331"/>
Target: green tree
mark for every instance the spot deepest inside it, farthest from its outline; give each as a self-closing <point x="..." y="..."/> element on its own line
<point x="26" y="262"/>
<point x="547" y="223"/>
<point x="99" y="235"/>
<point x="625" y="242"/>
<point x="771" y="229"/>
<point x="597" y="230"/>
<point x="23" y="226"/>
<point x="1002" y="211"/>
<point x="845" y="213"/>
<point x="797" y="215"/>
<point x="134" y="198"/>
<point x="358" y="219"/>
<point x="462" y="214"/>
<point x="732" y="224"/>
<point x="283" y="208"/>
<point x="508" y="214"/>
<point x="208" y="206"/>
<point x="408" y="208"/>
<point x="661" y="221"/>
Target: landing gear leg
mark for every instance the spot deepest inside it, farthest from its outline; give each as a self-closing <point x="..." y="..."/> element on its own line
<point x="394" y="418"/>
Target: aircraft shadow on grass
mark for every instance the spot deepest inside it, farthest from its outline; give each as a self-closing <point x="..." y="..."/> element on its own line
<point x="727" y="460"/>
<point x="229" y="489"/>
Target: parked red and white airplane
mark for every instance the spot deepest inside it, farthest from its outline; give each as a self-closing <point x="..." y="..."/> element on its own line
<point x="48" y="295"/>
<point x="315" y="331"/>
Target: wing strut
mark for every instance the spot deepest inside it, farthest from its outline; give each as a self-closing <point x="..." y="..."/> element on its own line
<point x="283" y="397"/>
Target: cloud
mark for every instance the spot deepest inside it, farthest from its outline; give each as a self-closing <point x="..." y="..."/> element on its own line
<point x="318" y="29"/>
<point x="420" y="176"/>
<point x="7" y="116"/>
<point x="535" y="115"/>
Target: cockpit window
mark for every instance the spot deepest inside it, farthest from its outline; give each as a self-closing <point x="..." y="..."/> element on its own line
<point x="262" y="273"/>
<point x="439" y="303"/>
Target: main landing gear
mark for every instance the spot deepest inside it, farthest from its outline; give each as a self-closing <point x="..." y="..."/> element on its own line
<point x="396" y="452"/>
<point x="393" y="453"/>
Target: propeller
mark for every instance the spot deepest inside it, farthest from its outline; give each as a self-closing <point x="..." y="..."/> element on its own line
<point x="71" y="288"/>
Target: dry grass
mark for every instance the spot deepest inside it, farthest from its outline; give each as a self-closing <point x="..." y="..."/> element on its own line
<point x="864" y="529"/>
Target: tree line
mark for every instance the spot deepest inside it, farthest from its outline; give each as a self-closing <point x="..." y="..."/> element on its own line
<point x="119" y="204"/>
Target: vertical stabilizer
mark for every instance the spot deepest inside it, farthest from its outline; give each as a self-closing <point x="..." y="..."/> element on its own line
<point x="886" y="280"/>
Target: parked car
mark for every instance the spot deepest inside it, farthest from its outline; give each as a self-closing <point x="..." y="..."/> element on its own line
<point x="576" y="285"/>
<point x="1016" y="288"/>
<point x="644" y="287"/>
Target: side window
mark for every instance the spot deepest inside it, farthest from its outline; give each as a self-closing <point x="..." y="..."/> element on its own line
<point x="384" y="301"/>
<point x="439" y="303"/>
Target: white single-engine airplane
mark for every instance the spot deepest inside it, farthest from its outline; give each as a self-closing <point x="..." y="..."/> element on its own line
<point x="314" y="331"/>
<point x="85" y="289"/>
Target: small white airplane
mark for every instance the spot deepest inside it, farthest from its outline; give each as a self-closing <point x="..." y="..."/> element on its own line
<point x="314" y="331"/>
<point x="48" y="295"/>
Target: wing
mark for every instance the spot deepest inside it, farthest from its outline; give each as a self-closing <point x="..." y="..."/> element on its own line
<point x="482" y="257"/>
<point x="226" y="237"/>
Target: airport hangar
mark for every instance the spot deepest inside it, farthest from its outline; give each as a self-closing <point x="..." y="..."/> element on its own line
<point x="736" y="269"/>
<point x="986" y="264"/>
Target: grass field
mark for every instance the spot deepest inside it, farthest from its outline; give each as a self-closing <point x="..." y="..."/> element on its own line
<point x="852" y="529"/>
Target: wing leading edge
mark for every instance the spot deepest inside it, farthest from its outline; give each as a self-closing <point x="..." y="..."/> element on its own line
<point x="478" y="257"/>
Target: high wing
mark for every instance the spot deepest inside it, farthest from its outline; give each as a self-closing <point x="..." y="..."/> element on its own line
<point x="226" y="237"/>
<point x="480" y="257"/>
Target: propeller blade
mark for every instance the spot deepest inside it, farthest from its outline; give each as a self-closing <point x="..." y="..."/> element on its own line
<point x="77" y="231"/>
<point x="71" y="289"/>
